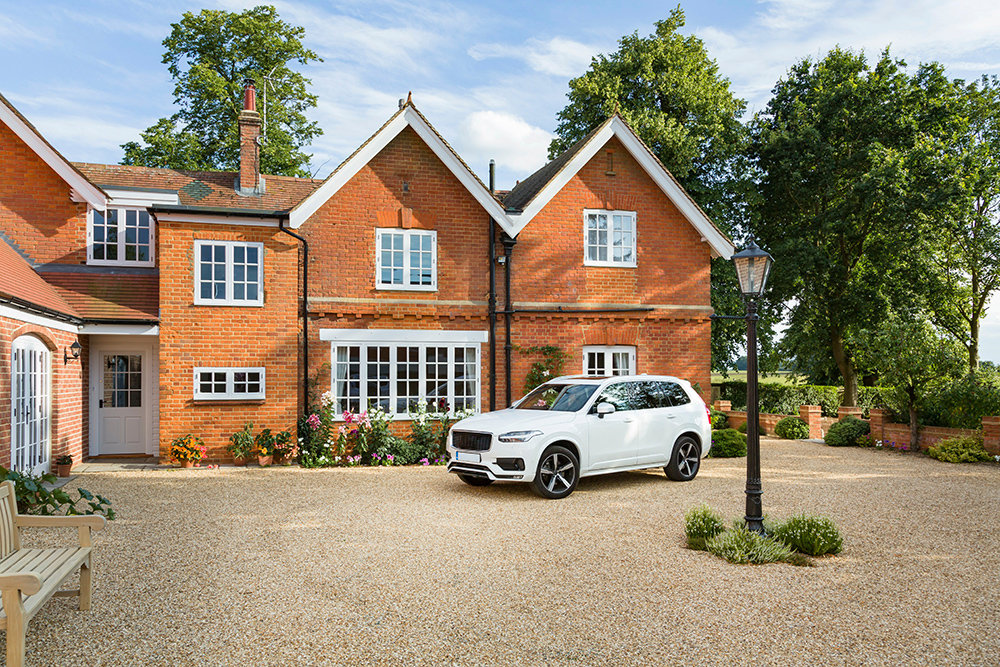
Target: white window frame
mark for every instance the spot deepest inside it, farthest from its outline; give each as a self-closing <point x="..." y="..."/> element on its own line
<point x="610" y="244"/>
<point x="229" y="300"/>
<point x="407" y="235"/>
<point x="122" y="231"/>
<point x="30" y="405"/>
<point x="230" y="394"/>
<point x="608" y="352"/>
<point x="394" y="339"/>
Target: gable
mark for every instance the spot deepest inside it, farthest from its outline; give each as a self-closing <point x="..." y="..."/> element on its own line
<point x="534" y="193"/>
<point x="82" y="189"/>
<point x="407" y="117"/>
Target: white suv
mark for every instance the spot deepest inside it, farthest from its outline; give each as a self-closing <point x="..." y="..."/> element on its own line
<point x="573" y="427"/>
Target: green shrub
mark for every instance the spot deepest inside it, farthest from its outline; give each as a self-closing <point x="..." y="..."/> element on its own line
<point x="742" y="546"/>
<point x="702" y="523"/>
<point x="846" y="432"/>
<point x="963" y="403"/>
<point x="728" y="443"/>
<point x="406" y="452"/>
<point x="792" y="428"/>
<point x="719" y="420"/>
<point x="742" y="428"/>
<point x="34" y="498"/>
<point x="813" y="535"/>
<point x="960" y="450"/>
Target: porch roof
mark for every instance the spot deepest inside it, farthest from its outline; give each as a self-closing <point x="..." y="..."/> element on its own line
<point x="108" y="297"/>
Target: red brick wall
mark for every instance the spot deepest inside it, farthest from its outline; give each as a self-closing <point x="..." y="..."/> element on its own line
<point x="69" y="400"/>
<point x="192" y="336"/>
<point x="35" y="208"/>
<point x="673" y="269"/>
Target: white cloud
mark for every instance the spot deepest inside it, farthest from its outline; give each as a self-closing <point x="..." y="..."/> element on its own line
<point x="512" y="142"/>
<point x="14" y="33"/>
<point x="557" y="56"/>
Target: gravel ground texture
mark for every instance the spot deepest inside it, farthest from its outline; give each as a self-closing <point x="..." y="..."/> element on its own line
<point x="408" y="566"/>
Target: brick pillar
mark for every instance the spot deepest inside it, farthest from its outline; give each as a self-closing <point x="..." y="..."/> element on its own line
<point x="813" y="416"/>
<point x="876" y="418"/>
<point x="845" y="410"/>
<point x="991" y="434"/>
<point x="723" y="406"/>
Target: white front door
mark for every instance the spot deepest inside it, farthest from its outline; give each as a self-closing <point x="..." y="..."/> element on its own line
<point x="120" y="409"/>
<point x="30" y="421"/>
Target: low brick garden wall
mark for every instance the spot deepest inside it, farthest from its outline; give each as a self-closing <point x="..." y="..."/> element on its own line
<point x="881" y="428"/>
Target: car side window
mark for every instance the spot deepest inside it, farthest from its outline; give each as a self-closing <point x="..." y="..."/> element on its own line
<point x="675" y="394"/>
<point x="631" y="396"/>
<point x="619" y="395"/>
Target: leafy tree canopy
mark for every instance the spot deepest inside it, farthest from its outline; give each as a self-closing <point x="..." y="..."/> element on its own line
<point x="851" y="166"/>
<point x="965" y="261"/>
<point x="209" y="56"/>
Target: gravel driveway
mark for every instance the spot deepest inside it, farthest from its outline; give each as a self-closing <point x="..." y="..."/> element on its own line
<point x="408" y="566"/>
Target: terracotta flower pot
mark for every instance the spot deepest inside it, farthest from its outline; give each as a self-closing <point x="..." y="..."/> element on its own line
<point x="187" y="464"/>
<point x="265" y="460"/>
<point x="63" y="469"/>
<point x="239" y="461"/>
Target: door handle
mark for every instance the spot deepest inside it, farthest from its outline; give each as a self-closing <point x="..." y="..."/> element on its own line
<point x="100" y="403"/>
<point x="671" y="416"/>
<point x="627" y="420"/>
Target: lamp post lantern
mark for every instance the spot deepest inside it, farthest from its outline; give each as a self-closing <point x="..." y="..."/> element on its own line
<point x="752" y="268"/>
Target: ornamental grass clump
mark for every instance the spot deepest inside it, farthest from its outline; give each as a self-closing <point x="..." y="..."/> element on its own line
<point x="813" y="535"/>
<point x="960" y="450"/>
<point x="728" y="443"/>
<point x="741" y="545"/>
<point x="792" y="428"/>
<point x="701" y="524"/>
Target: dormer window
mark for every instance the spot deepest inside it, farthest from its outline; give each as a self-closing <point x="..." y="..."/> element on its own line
<point x="120" y="237"/>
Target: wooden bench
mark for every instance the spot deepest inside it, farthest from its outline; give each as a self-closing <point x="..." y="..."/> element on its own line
<point x="29" y="577"/>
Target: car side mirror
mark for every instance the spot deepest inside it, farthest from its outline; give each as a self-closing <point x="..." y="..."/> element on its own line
<point x="604" y="409"/>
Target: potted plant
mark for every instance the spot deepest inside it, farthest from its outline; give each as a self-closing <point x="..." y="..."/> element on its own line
<point x="241" y="445"/>
<point x="187" y="450"/>
<point x="64" y="464"/>
<point x="264" y="443"/>
<point x="285" y="447"/>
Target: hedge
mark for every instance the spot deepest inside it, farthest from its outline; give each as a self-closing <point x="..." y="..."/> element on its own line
<point x="785" y="399"/>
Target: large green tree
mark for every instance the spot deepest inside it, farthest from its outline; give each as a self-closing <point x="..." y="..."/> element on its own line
<point x="967" y="263"/>
<point x="851" y="166"/>
<point x="671" y="93"/>
<point x="210" y="55"/>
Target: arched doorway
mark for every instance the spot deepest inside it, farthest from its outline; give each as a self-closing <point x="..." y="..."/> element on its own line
<point x="30" y="405"/>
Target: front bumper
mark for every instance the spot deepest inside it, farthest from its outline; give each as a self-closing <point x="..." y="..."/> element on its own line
<point x="502" y="461"/>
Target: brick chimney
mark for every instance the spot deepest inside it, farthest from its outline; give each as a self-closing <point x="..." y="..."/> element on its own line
<point x="249" y="182"/>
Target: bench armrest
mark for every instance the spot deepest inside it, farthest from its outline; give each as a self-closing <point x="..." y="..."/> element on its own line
<point x="94" y="521"/>
<point x="28" y="583"/>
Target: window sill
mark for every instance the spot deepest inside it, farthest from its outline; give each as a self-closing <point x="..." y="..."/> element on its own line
<point x="228" y="400"/>
<point x="405" y="288"/>
<point x="230" y="304"/>
<point x="611" y="265"/>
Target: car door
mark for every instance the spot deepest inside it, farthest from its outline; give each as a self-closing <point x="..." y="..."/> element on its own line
<point x="662" y="423"/>
<point x="613" y="437"/>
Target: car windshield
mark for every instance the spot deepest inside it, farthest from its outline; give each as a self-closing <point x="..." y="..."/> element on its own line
<point x="558" y="397"/>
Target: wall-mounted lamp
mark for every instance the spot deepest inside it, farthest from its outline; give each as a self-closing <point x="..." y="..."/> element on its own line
<point x="74" y="350"/>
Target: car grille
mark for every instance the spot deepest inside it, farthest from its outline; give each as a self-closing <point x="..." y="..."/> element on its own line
<point x="477" y="442"/>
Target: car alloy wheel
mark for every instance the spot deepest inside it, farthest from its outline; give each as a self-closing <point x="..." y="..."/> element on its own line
<point x="685" y="460"/>
<point x="558" y="473"/>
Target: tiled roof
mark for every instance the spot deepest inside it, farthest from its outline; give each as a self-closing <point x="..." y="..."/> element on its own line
<point x="203" y="189"/>
<point x="111" y="296"/>
<point x="528" y="189"/>
<point x="19" y="281"/>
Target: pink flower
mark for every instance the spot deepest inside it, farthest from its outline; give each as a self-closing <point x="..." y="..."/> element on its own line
<point x="313" y="421"/>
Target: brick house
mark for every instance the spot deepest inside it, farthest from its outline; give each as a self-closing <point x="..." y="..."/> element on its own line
<point x="198" y="301"/>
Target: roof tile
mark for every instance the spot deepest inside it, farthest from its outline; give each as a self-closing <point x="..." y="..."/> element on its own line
<point x="109" y="296"/>
<point x="19" y="281"/>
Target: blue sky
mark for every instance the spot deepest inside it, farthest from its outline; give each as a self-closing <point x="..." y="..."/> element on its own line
<point x="490" y="76"/>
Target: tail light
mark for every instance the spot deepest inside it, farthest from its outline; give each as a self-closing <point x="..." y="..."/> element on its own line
<point x="708" y="413"/>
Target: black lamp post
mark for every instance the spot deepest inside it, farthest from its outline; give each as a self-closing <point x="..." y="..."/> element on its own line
<point x="752" y="267"/>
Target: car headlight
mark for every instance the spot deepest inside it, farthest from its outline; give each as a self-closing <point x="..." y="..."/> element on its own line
<point x="518" y="436"/>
